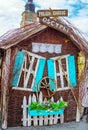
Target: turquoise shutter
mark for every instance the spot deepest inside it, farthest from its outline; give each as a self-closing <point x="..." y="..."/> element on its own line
<point x="51" y="74"/>
<point x="17" y="68"/>
<point x="39" y="74"/>
<point x="72" y="71"/>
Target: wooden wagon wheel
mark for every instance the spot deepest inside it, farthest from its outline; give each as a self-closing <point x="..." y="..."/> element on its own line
<point x="48" y="83"/>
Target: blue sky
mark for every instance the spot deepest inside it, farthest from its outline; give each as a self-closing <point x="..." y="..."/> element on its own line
<point x="11" y="10"/>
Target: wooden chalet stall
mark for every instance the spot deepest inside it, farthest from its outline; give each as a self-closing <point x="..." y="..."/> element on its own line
<point x="36" y="51"/>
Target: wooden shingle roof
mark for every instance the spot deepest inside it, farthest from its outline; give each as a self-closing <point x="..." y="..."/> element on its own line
<point x="15" y="36"/>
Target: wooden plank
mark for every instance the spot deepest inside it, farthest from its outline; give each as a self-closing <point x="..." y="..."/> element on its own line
<point x="72" y="71"/>
<point x="62" y="118"/>
<point x="59" y="57"/>
<point x="67" y="74"/>
<point x="41" y="121"/>
<point x="63" y="89"/>
<point x="29" y="72"/>
<point x="61" y="74"/>
<point x="24" y="69"/>
<point x="62" y="115"/>
<point x="17" y="69"/>
<point x="45" y="120"/>
<point x="29" y="89"/>
<point x="24" y="111"/>
<point x="52" y="13"/>
<point x="34" y="98"/>
<point x="50" y="120"/>
<point x="33" y="81"/>
<point x="29" y="117"/>
<point x="40" y="97"/>
<point x="78" y="115"/>
<point x="56" y="24"/>
<point x="0" y="66"/>
<point x="5" y="88"/>
<point x="35" y="121"/>
<point x="22" y="89"/>
<point x="40" y="117"/>
<point x="55" y="119"/>
<point x="33" y="55"/>
<point x="52" y="73"/>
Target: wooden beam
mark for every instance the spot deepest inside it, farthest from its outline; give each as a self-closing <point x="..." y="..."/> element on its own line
<point x="5" y="88"/>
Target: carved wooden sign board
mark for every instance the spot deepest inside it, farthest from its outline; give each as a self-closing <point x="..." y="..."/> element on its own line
<point x="55" y="24"/>
<point x="46" y="17"/>
<point x="52" y="13"/>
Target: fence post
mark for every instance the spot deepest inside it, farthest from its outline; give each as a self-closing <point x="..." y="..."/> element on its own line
<point x="24" y="111"/>
<point x="41" y="117"/>
<point x="56" y="117"/>
<point x="51" y="117"/>
<point x="29" y="117"/>
<point x="62" y="115"/>
<point x="35" y="119"/>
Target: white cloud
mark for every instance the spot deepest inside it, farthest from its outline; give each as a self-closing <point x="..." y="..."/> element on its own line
<point x="10" y="12"/>
<point x="84" y="1"/>
<point x="46" y="4"/>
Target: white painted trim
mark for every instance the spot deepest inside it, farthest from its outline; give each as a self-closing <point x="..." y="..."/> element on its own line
<point x="33" y="81"/>
<point x="33" y="55"/>
<point x="24" y="69"/>
<point x="22" y="89"/>
<point x="30" y="90"/>
<point x="58" y="74"/>
<point x="29" y="72"/>
<point x="55" y="74"/>
<point x="62" y="89"/>
<point x="59" y="57"/>
<point x="61" y="74"/>
<point x="67" y="71"/>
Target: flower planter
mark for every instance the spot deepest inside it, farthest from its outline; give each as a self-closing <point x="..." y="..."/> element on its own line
<point x="45" y="113"/>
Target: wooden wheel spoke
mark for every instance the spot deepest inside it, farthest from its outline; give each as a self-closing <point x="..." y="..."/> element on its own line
<point x="45" y="83"/>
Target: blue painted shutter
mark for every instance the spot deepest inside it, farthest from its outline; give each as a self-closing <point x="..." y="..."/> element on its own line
<point x="72" y="71"/>
<point x="51" y="73"/>
<point x="39" y="74"/>
<point x="17" y="68"/>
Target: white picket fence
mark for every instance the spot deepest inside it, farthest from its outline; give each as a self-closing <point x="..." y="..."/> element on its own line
<point x="38" y="120"/>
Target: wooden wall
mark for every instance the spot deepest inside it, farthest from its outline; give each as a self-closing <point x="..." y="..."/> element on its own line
<point x="68" y="47"/>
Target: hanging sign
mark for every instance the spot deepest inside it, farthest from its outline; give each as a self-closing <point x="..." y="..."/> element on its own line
<point x="55" y="24"/>
<point x="52" y="13"/>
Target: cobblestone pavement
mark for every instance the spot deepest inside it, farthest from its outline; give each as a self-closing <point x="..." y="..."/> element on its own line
<point x="82" y="125"/>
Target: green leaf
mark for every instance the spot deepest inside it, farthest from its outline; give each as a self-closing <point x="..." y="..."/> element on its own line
<point x="48" y="105"/>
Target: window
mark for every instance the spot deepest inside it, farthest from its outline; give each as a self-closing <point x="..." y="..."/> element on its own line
<point x="61" y="68"/>
<point x="29" y="70"/>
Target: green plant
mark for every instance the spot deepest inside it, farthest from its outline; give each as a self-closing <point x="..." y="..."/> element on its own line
<point x="48" y="106"/>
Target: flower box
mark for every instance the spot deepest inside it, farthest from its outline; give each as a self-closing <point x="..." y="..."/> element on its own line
<point x="46" y="108"/>
<point x="44" y="112"/>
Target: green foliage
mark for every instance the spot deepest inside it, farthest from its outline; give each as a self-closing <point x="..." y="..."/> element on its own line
<point x="48" y="106"/>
